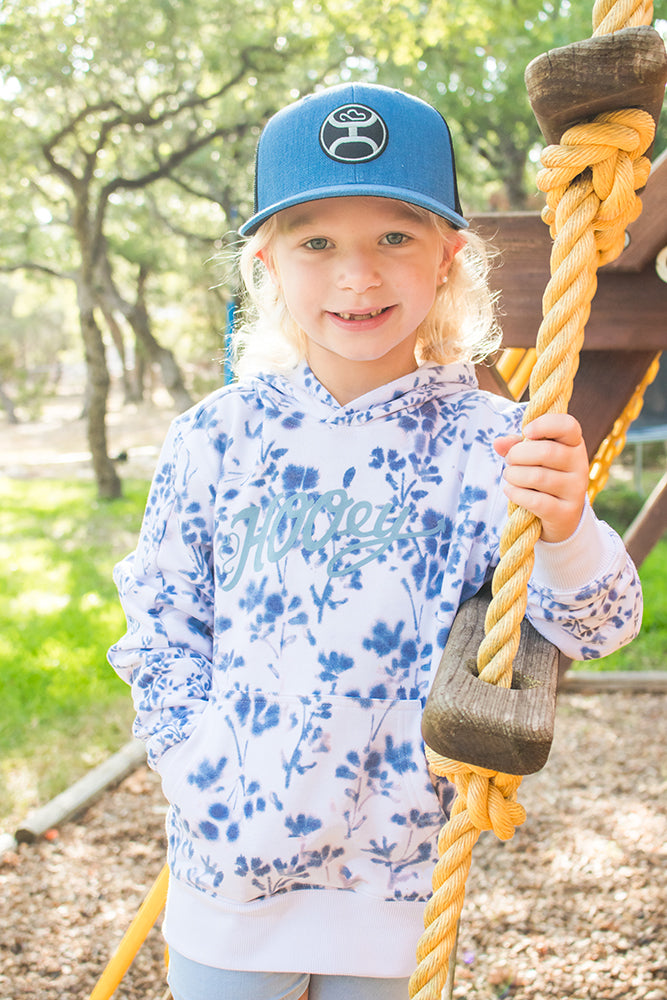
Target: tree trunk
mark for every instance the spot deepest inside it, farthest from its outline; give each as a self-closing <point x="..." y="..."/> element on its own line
<point x="141" y="369"/>
<point x="172" y="376"/>
<point x="8" y="406"/>
<point x="138" y="318"/>
<point x="108" y="481"/>
<point x="129" y="385"/>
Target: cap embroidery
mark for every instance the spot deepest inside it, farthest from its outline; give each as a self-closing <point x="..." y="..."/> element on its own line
<point x="353" y="133"/>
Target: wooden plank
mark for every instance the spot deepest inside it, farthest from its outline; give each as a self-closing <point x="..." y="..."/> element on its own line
<point x="506" y="729"/>
<point x="649" y="526"/>
<point x="82" y="793"/>
<point x="603" y="386"/>
<point x="8" y="844"/>
<point x="626" y="69"/>
<point x="630" y="308"/>
<point x="607" y="682"/>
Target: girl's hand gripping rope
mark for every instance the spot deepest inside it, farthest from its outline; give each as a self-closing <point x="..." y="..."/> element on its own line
<point x="547" y="472"/>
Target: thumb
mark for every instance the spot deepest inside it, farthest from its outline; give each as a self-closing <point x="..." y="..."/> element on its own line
<point x="503" y="444"/>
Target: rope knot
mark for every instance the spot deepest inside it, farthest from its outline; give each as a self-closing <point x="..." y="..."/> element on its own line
<point x="609" y="151"/>
<point x="490" y="797"/>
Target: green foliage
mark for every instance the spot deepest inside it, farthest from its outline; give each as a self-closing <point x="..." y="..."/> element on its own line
<point x="140" y="120"/>
<point x="64" y="708"/>
<point x="618" y="504"/>
<point x="33" y="335"/>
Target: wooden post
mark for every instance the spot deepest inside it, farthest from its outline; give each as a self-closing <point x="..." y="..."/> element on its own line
<point x="573" y="84"/>
<point x="649" y="526"/>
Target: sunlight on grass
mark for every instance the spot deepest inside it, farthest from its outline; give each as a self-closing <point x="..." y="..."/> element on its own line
<point x="619" y="504"/>
<point x="64" y="709"/>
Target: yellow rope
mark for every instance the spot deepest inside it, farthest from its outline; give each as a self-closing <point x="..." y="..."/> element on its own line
<point x="612" y="15"/>
<point x="590" y="180"/>
<point x="133" y="938"/>
<point x="614" y="443"/>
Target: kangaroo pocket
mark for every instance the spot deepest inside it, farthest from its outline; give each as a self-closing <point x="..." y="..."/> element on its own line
<point x="304" y="792"/>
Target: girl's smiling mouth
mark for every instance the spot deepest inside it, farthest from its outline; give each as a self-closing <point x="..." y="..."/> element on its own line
<point x="358" y="317"/>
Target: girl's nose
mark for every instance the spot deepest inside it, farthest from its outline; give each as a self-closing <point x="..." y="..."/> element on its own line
<point x="358" y="272"/>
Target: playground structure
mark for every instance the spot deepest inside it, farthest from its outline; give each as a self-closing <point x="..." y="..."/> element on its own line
<point x="625" y="334"/>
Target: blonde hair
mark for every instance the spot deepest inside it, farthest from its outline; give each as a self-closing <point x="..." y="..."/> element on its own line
<point x="461" y="326"/>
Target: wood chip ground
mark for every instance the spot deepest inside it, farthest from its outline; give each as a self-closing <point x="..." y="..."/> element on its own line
<point x="573" y="907"/>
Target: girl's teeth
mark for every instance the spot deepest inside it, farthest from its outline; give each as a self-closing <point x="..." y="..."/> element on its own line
<point x="368" y="315"/>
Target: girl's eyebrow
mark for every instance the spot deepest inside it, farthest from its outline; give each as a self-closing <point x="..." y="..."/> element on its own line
<point x="297" y="222"/>
<point x="395" y="214"/>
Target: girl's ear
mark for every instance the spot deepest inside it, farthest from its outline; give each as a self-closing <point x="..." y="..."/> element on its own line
<point x="451" y="247"/>
<point x="267" y="260"/>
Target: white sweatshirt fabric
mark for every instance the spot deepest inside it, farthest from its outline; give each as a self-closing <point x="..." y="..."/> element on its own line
<point x="298" y="570"/>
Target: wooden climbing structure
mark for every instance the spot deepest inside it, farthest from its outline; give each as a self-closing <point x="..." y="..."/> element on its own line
<point x="625" y="333"/>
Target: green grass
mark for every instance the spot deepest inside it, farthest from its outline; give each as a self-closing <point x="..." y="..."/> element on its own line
<point x="619" y="504"/>
<point x="63" y="708"/>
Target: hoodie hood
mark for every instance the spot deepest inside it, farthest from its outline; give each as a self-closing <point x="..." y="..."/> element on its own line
<point x="302" y="390"/>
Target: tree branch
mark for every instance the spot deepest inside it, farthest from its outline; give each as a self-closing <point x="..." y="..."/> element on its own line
<point x="179" y="230"/>
<point x="28" y="265"/>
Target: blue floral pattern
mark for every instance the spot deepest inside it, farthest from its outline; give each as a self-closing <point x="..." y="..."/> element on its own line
<point x="298" y="570"/>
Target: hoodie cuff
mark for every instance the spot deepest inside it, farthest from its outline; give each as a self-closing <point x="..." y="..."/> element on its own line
<point x="574" y="563"/>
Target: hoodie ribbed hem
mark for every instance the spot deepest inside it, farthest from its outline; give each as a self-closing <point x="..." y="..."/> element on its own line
<point x="319" y="931"/>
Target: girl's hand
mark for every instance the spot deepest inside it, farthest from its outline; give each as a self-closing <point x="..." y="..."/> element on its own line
<point x="547" y="472"/>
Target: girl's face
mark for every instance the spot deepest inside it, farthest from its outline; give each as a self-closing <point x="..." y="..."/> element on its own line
<point x="358" y="276"/>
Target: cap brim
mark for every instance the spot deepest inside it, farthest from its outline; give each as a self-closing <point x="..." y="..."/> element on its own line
<point x="356" y="190"/>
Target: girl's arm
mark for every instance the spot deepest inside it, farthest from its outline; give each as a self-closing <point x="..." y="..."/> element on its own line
<point x="584" y="594"/>
<point x="166" y="590"/>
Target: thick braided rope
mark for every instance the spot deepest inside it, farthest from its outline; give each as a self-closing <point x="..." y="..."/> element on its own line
<point x="590" y="180"/>
<point x="614" y="443"/>
<point x="612" y="15"/>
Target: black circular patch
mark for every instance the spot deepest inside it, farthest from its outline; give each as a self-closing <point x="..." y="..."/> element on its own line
<point x="353" y="133"/>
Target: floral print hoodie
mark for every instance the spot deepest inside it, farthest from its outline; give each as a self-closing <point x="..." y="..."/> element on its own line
<point x="298" y="570"/>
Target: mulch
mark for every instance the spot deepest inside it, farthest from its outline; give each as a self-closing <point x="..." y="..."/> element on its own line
<point x="572" y="907"/>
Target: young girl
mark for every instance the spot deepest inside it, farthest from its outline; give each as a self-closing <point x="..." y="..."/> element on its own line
<point x="309" y="536"/>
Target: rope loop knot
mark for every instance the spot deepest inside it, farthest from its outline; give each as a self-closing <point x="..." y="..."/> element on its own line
<point x="490" y="797"/>
<point x="485" y="800"/>
<point x="609" y="153"/>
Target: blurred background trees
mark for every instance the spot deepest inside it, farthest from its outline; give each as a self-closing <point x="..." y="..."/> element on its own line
<point x="128" y="134"/>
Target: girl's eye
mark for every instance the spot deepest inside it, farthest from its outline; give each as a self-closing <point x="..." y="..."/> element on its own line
<point x="396" y="239"/>
<point x="317" y="243"/>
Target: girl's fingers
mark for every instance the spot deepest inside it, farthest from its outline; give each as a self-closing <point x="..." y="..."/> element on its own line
<point x="560" y="427"/>
<point x="546" y="472"/>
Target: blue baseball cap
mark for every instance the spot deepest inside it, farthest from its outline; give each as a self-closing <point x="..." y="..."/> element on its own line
<point x="356" y="139"/>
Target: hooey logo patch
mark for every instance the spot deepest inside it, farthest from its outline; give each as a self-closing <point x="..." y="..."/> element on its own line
<point x="353" y="133"/>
